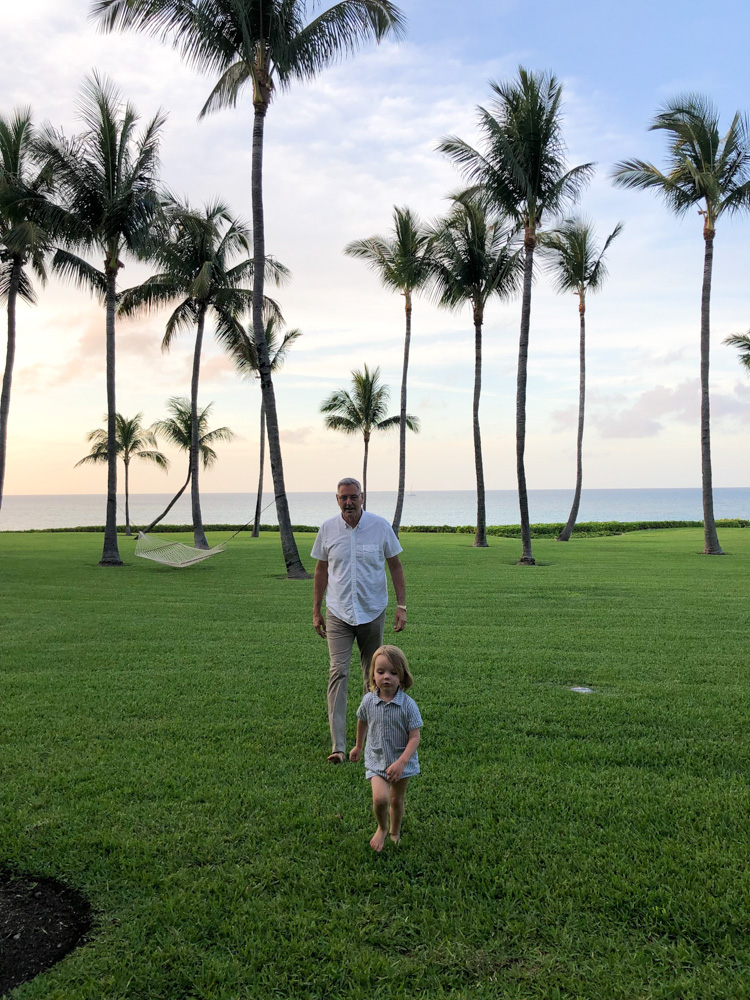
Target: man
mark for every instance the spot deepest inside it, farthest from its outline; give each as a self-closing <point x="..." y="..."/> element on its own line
<point x="351" y="551"/>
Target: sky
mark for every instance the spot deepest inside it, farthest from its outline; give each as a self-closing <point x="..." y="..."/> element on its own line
<point x="340" y="153"/>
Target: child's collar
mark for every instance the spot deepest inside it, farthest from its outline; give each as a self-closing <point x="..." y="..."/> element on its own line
<point x="397" y="698"/>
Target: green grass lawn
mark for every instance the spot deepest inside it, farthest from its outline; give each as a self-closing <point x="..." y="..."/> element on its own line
<point x="162" y="748"/>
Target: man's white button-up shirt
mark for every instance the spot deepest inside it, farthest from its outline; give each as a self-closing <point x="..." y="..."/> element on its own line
<point x="357" y="590"/>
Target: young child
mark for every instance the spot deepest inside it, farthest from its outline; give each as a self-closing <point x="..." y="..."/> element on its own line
<point x="391" y="721"/>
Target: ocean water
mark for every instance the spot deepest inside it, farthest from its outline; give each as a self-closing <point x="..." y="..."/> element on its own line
<point x="429" y="507"/>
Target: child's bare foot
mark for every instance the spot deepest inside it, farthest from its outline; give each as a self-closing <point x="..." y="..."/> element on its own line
<point x="378" y="840"/>
<point x="396" y="838"/>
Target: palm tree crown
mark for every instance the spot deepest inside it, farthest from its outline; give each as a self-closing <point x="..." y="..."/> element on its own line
<point x="176" y="429"/>
<point x="521" y="170"/>
<point x="204" y="260"/>
<point x="262" y="43"/>
<point x="574" y="258"/>
<point x="742" y="342"/>
<point x="703" y="167"/>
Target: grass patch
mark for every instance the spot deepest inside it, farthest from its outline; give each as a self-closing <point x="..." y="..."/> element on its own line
<point x="163" y="745"/>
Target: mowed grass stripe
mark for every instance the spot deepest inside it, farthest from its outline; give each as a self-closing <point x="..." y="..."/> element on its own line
<point x="163" y="742"/>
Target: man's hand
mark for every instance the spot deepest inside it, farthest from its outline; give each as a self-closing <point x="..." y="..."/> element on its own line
<point x="319" y="624"/>
<point x="395" y="771"/>
<point x="355" y="753"/>
<point x="399" y="621"/>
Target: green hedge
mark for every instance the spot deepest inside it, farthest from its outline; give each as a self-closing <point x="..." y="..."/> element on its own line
<point x="592" y="529"/>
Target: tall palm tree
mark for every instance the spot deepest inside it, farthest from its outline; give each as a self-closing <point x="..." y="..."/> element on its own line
<point x="362" y="410"/>
<point x="711" y="171"/>
<point x="263" y="44"/>
<point x="521" y="171"/>
<point x="24" y="239"/>
<point x="177" y="429"/>
<point x="106" y="179"/>
<point x="402" y="262"/>
<point x="577" y="265"/>
<point x="203" y="263"/>
<point x="246" y="362"/>
<point x="473" y="260"/>
<point x="133" y="441"/>
<point x="742" y="342"/>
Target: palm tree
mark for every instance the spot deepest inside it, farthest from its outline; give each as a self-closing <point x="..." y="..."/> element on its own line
<point x="106" y="178"/>
<point x="203" y="263"/>
<point x="521" y="172"/>
<point x="263" y="44"/>
<point x="246" y="362"/>
<point x="362" y="411"/>
<point x="133" y="441"/>
<point x="473" y="259"/>
<point x="742" y="342"/>
<point x="577" y="265"/>
<point x="24" y="239"/>
<point x="177" y="429"/>
<point x="711" y="171"/>
<point x="402" y="262"/>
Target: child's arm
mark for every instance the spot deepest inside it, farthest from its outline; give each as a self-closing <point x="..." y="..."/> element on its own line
<point x="394" y="772"/>
<point x="356" y="751"/>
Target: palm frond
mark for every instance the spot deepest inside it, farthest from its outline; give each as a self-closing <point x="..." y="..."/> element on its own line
<point x="71" y="267"/>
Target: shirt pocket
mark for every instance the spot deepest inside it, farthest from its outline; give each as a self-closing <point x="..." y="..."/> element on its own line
<point x="369" y="554"/>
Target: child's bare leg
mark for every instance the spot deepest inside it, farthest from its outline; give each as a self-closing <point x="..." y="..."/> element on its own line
<point x="398" y="790"/>
<point x="380" y="798"/>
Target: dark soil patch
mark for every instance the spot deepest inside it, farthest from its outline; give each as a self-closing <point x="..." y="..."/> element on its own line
<point x="41" y="920"/>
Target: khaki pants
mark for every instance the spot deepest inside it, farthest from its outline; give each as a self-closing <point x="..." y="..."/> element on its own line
<point x="341" y="637"/>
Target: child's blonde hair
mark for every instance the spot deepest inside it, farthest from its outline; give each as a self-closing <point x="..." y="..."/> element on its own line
<point x="397" y="660"/>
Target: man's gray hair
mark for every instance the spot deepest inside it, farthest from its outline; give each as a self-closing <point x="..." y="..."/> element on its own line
<point x="349" y="482"/>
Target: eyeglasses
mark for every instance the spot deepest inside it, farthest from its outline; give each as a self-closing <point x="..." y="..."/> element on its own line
<point x="353" y="497"/>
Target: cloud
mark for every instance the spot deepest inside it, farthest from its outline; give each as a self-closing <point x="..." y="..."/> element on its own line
<point x="615" y="416"/>
<point x="300" y="435"/>
<point x="86" y="357"/>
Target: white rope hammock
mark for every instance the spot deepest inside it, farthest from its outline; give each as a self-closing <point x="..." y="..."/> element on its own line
<point x="175" y="554"/>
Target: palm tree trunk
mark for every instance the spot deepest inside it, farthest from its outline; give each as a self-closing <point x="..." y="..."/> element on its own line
<point x="402" y="426"/>
<point x="199" y="536"/>
<point x="567" y="531"/>
<point x="364" y="470"/>
<point x="259" y="501"/>
<point x="711" y="545"/>
<point x="10" y="354"/>
<point x="170" y="505"/>
<point x="294" y="568"/>
<point x="480" y="536"/>
<point x="110" y="552"/>
<point x="127" y="499"/>
<point x="527" y="558"/>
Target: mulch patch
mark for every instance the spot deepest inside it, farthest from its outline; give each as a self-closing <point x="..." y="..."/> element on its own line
<point x="41" y="921"/>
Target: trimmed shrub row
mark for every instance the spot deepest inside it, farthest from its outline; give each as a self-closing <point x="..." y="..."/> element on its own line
<point x="592" y="529"/>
